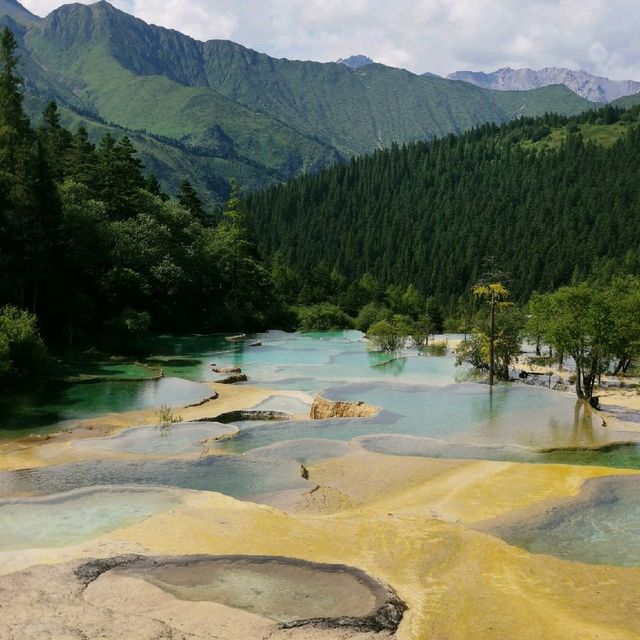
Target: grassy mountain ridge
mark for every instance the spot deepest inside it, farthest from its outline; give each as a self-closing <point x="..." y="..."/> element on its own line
<point x="275" y="118"/>
<point x="17" y="12"/>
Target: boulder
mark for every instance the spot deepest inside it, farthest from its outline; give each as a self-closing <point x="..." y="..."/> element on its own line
<point x="226" y="369"/>
<point x="322" y="409"/>
<point x="233" y="379"/>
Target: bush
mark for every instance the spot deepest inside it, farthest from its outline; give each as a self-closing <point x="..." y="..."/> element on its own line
<point x="389" y="335"/>
<point x="370" y="314"/>
<point x="438" y="348"/>
<point x="323" y="317"/>
<point x="22" y="350"/>
<point x="129" y="326"/>
<point x="473" y="351"/>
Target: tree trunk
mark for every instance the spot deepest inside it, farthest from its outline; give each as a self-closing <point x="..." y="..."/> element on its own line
<point x="579" y="374"/>
<point x="34" y="305"/>
<point x="491" y="345"/>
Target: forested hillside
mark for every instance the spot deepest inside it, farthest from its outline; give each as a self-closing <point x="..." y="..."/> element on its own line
<point x="551" y="199"/>
<point x="222" y="110"/>
<point x="91" y="245"/>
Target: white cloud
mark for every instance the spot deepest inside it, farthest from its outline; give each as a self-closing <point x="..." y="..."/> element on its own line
<point x="422" y="35"/>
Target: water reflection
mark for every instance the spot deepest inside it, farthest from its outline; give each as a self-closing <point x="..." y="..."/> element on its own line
<point x="50" y="403"/>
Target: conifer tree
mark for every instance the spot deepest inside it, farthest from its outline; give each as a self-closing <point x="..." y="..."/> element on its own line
<point x="153" y="186"/>
<point x="13" y="120"/>
<point x="189" y="199"/>
<point x="18" y="174"/>
<point x="54" y="139"/>
<point x="81" y="160"/>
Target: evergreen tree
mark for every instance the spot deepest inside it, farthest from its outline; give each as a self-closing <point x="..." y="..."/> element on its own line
<point x="81" y="160"/>
<point x="153" y="186"/>
<point x="120" y="176"/>
<point x="55" y="140"/>
<point x="18" y="175"/>
<point x="189" y="199"/>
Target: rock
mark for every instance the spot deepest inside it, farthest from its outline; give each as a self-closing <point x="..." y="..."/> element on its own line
<point x="203" y="402"/>
<point x="236" y="416"/>
<point x="594" y="88"/>
<point x="322" y="409"/>
<point x="233" y="379"/>
<point x="226" y="369"/>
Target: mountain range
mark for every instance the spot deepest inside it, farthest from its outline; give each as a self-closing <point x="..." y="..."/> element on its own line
<point x="214" y="110"/>
<point x="593" y="88"/>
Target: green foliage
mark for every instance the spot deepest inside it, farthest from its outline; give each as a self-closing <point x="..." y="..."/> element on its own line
<point x="508" y="332"/>
<point x="228" y="111"/>
<point x="389" y="335"/>
<point x="598" y="326"/>
<point x="623" y="296"/>
<point x="91" y="244"/>
<point x="189" y="200"/>
<point x="421" y="329"/>
<point x="578" y="321"/>
<point x="22" y="350"/>
<point x="166" y="418"/>
<point x="323" y="317"/>
<point x="370" y="314"/>
<point x="439" y="348"/>
<point x="427" y="214"/>
<point x="474" y="351"/>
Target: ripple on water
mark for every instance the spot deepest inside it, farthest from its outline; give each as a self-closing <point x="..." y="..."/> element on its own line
<point x="305" y="451"/>
<point x="73" y="517"/>
<point x="179" y="438"/>
<point x="236" y="476"/>
<point x="599" y="526"/>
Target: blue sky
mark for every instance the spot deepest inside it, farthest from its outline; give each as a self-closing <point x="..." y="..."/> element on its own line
<point x="441" y="36"/>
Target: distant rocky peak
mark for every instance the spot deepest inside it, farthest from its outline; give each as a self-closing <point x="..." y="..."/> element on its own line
<point x="594" y="88"/>
<point x="355" y="62"/>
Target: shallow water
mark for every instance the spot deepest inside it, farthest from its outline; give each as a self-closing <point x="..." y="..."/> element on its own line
<point x="71" y="518"/>
<point x="510" y="423"/>
<point x="240" y="477"/>
<point x="600" y="526"/>
<point x="179" y="438"/>
<point x="49" y="404"/>
<point x="280" y="589"/>
<point x="424" y="412"/>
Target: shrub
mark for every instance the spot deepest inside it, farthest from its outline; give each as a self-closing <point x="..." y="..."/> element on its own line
<point x="323" y="317"/>
<point x="22" y="350"/>
<point x="370" y="314"/>
<point x="166" y="418"/>
<point x="129" y="326"/>
<point x="389" y="335"/>
<point x="438" y="348"/>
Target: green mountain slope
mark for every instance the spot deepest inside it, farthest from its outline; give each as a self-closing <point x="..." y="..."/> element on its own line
<point x="163" y="157"/>
<point x="429" y="213"/>
<point x="370" y="107"/>
<point x="17" y="12"/>
<point x="274" y="119"/>
<point x="627" y="101"/>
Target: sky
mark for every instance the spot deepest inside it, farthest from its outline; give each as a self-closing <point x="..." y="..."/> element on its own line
<point x="441" y="36"/>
